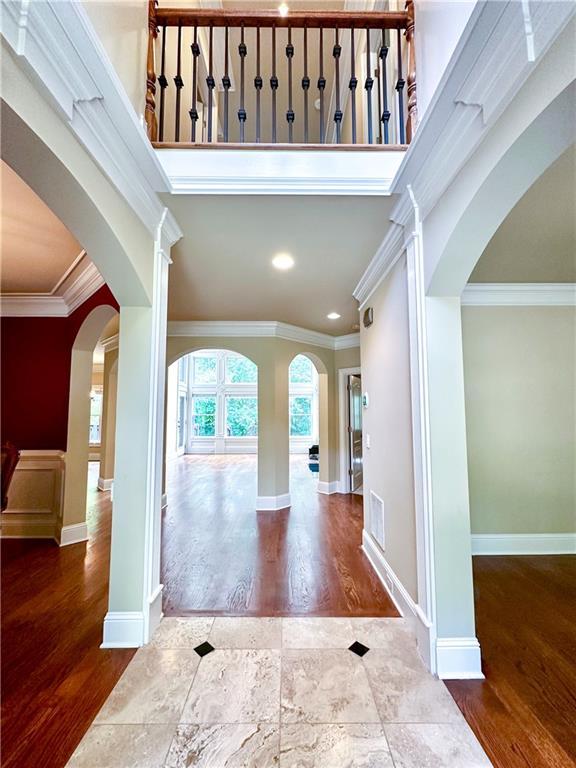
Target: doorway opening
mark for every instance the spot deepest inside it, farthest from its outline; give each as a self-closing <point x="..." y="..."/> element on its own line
<point x="354" y="429"/>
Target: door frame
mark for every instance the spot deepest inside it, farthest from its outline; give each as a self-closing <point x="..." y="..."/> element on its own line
<point x="343" y="440"/>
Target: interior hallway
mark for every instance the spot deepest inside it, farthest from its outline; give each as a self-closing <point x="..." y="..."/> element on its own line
<point x="220" y="557"/>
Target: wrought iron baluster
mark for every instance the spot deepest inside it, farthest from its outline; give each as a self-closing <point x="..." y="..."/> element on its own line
<point x="258" y="84"/>
<point x="274" y="85"/>
<point x="195" y="48"/>
<point x="242" y="50"/>
<point x="379" y="138"/>
<point x="385" y="116"/>
<point x="400" y="89"/>
<point x="353" y="83"/>
<point x="226" y="85"/>
<point x="321" y="84"/>
<point x="305" y="85"/>
<point x="368" y="85"/>
<point x="179" y="84"/>
<point x="336" y="51"/>
<point x="210" y="82"/>
<point x="290" y="113"/>
<point x="163" y="83"/>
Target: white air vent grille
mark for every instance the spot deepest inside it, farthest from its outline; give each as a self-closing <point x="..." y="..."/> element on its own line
<point x="377" y="519"/>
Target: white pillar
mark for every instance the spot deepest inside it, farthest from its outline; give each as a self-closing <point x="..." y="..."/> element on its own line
<point x="135" y="594"/>
<point x="273" y="435"/>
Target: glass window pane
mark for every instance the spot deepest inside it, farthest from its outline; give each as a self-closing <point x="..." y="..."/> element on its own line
<point x="204" y="416"/>
<point x="204" y="371"/>
<point x="183" y="369"/>
<point x="95" y="417"/>
<point x="301" y="416"/>
<point x="240" y="370"/>
<point x="301" y="370"/>
<point x="241" y="416"/>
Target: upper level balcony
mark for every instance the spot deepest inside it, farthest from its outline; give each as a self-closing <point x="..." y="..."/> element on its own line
<point x="285" y="81"/>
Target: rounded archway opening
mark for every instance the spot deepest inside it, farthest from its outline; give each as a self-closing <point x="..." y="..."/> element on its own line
<point x="308" y="443"/>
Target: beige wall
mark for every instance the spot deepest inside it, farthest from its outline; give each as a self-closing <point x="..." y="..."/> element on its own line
<point x="388" y="469"/>
<point x="122" y="26"/>
<point x="519" y="367"/>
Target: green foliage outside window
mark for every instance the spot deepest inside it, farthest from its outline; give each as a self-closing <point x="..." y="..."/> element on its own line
<point x="301" y="370"/>
<point x="240" y="370"/>
<point x="241" y="416"/>
<point x="300" y="416"/>
<point x="204" y="416"/>
<point x="204" y="370"/>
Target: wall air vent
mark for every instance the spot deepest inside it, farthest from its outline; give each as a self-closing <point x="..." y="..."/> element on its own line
<point x="377" y="519"/>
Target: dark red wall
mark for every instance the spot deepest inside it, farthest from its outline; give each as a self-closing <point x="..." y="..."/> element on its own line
<point x="35" y="358"/>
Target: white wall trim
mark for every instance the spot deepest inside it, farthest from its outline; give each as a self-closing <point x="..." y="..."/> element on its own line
<point x="519" y="295"/>
<point x="328" y="488"/>
<point x="50" y="305"/>
<point x="273" y="503"/>
<point x="73" y="534"/>
<point x="458" y="658"/>
<point x="105" y="483"/>
<point x="123" y="629"/>
<point x="110" y="343"/>
<point x="390" y="250"/>
<point x="261" y="329"/>
<point x="524" y="543"/>
<point x="283" y="171"/>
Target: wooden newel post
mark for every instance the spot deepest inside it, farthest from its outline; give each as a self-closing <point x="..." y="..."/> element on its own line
<point x="150" y="110"/>
<point x="412" y="121"/>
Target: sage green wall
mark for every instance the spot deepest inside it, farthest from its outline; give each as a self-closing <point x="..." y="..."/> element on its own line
<point x="519" y="368"/>
<point x="388" y="467"/>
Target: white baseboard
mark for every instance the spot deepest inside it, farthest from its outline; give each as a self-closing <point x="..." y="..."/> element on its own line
<point x="524" y="543"/>
<point x="73" y="534"/>
<point x="123" y="629"/>
<point x="458" y="658"/>
<point x="273" y="503"/>
<point x="105" y="483"/>
<point x="164" y="501"/>
<point x="328" y="488"/>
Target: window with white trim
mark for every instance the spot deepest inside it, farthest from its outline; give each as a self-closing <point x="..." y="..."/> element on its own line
<point x="303" y="391"/>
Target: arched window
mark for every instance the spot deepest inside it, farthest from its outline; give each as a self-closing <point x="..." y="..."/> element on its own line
<point x="303" y="383"/>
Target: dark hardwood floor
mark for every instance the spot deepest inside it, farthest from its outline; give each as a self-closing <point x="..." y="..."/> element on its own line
<point x="524" y="713"/>
<point x="221" y="557"/>
<point x="55" y="677"/>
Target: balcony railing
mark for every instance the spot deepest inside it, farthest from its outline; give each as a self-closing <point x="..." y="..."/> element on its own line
<point x="308" y="78"/>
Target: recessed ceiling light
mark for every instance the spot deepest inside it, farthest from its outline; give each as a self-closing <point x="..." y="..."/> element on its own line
<point x="333" y="316"/>
<point x="283" y="9"/>
<point x="283" y="261"/>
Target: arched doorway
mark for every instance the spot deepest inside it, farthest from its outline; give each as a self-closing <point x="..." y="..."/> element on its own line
<point x="80" y="403"/>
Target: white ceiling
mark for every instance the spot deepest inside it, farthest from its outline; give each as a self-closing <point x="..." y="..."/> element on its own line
<point x="536" y="243"/>
<point x="222" y="268"/>
<point x="37" y="251"/>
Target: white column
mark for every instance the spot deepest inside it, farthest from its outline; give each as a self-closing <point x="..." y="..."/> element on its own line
<point x="135" y="596"/>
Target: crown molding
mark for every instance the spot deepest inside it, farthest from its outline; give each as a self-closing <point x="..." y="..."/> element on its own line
<point x="110" y="343"/>
<point x="385" y="257"/>
<point x="50" y="305"/>
<point x="498" y="50"/>
<point x="56" y="44"/>
<point x="256" y="329"/>
<point x="519" y="295"/>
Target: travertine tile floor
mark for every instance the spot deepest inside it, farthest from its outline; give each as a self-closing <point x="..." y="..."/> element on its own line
<point x="279" y="692"/>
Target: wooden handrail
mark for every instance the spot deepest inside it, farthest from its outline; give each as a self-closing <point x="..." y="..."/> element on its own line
<point x="150" y="109"/>
<point x="174" y="17"/>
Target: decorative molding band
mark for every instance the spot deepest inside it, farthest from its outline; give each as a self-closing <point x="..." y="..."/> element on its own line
<point x="397" y="591"/>
<point x="110" y="343"/>
<point x="328" y="488"/>
<point x="253" y="171"/>
<point x="385" y="257"/>
<point x="123" y="629"/>
<point x="273" y="503"/>
<point x="458" y="658"/>
<point x="40" y="305"/>
<point x="261" y="329"/>
<point x="519" y="295"/>
<point x="105" y="483"/>
<point x="524" y="543"/>
<point x="34" y="459"/>
<point x="73" y="534"/>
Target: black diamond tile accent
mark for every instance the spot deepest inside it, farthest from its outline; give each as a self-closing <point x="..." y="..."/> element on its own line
<point x="358" y="649"/>
<point x="204" y="648"/>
